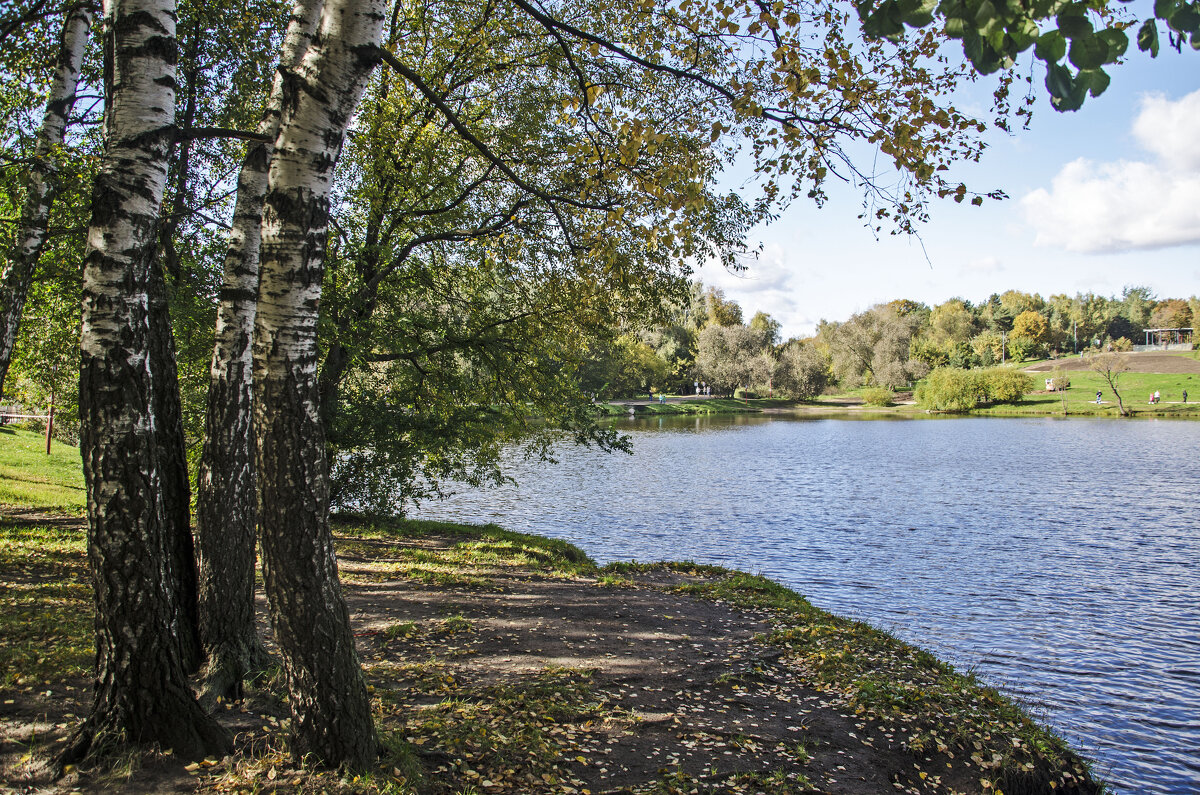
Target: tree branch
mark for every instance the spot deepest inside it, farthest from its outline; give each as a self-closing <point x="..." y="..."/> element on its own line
<point x="194" y="133"/>
<point x="460" y="128"/>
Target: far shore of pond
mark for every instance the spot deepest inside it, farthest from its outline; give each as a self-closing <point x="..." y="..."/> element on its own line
<point x="1174" y="376"/>
<point x="1036" y="404"/>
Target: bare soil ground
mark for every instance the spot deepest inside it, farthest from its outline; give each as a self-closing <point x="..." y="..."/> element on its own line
<point x="516" y="681"/>
<point x="1139" y="362"/>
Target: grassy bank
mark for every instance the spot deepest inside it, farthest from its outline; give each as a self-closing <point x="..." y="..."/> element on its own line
<point x="702" y="406"/>
<point x="506" y="663"/>
<point x="1135" y="389"/>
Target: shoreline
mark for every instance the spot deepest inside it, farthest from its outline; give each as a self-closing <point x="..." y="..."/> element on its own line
<point x="1036" y="405"/>
<point x="510" y="663"/>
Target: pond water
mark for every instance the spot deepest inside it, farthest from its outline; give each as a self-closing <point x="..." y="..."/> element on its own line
<point x="1056" y="558"/>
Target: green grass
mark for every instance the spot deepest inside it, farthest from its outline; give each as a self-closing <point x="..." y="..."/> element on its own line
<point x="32" y="479"/>
<point x="705" y="406"/>
<point x="45" y="604"/>
<point x="1135" y="391"/>
<point x="469" y="559"/>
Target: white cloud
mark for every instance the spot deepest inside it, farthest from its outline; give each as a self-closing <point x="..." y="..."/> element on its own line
<point x="770" y="283"/>
<point x="1171" y="129"/>
<point x="1129" y="204"/>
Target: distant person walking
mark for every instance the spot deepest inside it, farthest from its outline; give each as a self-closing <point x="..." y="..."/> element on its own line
<point x="1099" y="394"/>
<point x="1185" y="396"/>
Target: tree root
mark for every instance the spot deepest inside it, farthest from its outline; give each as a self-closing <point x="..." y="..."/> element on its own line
<point x="229" y="669"/>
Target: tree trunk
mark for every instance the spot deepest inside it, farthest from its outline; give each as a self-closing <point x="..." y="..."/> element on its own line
<point x="35" y="214"/>
<point x="226" y="513"/>
<point x="331" y="714"/>
<point x="172" y="466"/>
<point x="141" y="690"/>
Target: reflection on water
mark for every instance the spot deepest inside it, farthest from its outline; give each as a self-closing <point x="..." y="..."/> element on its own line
<point x="1056" y="558"/>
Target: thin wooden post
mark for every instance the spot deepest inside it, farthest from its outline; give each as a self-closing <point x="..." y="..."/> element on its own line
<point x="50" y="424"/>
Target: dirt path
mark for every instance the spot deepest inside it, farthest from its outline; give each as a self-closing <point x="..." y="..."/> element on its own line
<point x="510" y="679"/>
<point x="1139" y="362"/>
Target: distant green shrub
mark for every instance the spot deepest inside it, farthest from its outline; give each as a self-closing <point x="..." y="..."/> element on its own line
<point x="877" y="396"/>
<point x="1005" y="384"/>
<point x="950" y="389"/>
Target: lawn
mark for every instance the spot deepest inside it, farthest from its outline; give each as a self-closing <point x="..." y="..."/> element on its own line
<point x="1135" y="389"/>
<point x="32" y="479"/>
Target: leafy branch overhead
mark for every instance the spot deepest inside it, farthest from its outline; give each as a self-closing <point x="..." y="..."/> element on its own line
<point x="1076" y="40"/>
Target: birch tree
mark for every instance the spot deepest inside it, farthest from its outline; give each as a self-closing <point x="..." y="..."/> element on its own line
<point x="141" y="691"/>
<point x="23" y="258"/>
<point x="331" y="714"/>
<point x="226" y="510"/>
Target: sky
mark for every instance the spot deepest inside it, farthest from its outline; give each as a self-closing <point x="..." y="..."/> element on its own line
<point x="1100" y="199"/>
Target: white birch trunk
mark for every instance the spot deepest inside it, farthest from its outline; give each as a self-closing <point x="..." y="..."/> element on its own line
<point x="141" y="691"/>
<point x="35" y="214"/>
<point x="225" y="497"/>
<point x="331" y="716"/>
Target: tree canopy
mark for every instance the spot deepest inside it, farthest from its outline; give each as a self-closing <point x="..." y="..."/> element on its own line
<point x="1075" y="39"/>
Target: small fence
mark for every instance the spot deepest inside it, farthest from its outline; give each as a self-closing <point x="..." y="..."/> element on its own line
<point x="14" y="413"/>
<point x="1175" y="346"/>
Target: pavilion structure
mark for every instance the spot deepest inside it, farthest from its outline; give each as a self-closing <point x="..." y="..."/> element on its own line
<point x="1161" y="337"/>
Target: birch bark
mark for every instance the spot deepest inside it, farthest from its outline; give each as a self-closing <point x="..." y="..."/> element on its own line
<point x="35" y="214"/>
<point x="226" y="512"/>
<point x="331" y="715"/>
<point x="141" y="693"/>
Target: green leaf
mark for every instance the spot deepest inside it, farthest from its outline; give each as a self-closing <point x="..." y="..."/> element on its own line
<point x="1165" y="8"/>
<point x="955" y="28"/>
<point x="1147" y="38"/>
<point x="1058" y="81"/>
<point x="1088" y="52"/>
<point x="981" y="55"/>
<point x="1074" y="24"/>
<point x="985" y="14"/>
<point x="1051" y="46"/>
<point x="1116" y="40"/>
<point x="1023" y="34"/>
<point x="922" y="15"/>
<point x="993" y="34"/>
<point x="1066" y="93"/>
<point x="1196" y="41"/>
<point x="1096" y="80"/>
<point x="1185" y="20"/>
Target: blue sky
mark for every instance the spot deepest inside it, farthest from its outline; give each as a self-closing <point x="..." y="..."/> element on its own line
<point x="1101" y="198"/>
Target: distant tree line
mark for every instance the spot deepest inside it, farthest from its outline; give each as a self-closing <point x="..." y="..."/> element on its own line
<point x="890" y="346"/>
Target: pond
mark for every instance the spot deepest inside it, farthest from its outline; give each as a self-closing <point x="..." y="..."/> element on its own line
<point x="1056" y="558"/>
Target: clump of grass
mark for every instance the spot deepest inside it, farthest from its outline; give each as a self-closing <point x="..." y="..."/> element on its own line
<point x="472" y="550"/>
<point x="680" y="567"/>
<point x="614" y="581"/>
<point x="454" y="625"/>
<point x="403" y="629"/>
